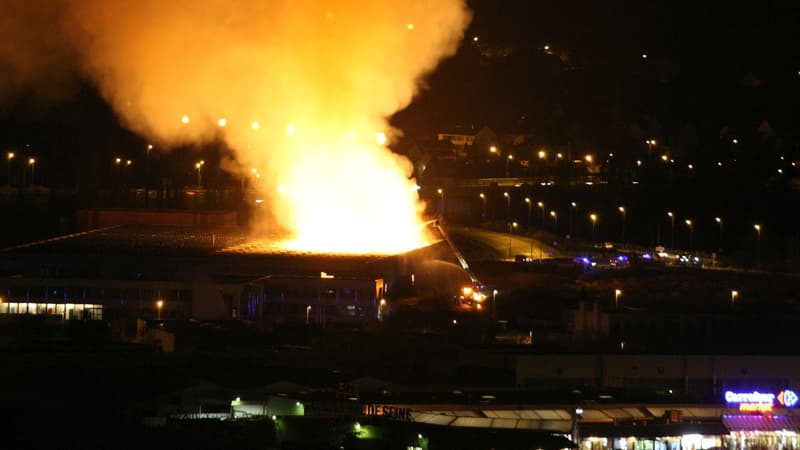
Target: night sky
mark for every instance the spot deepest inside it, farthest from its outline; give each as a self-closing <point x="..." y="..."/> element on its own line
<point x="710" y="73"/>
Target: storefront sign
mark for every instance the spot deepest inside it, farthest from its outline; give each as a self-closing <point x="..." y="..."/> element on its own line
<point x="391" y="412"/>
<point x="761" y="401"/>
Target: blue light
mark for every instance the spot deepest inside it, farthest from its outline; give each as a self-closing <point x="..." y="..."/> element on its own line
<point x="788" y="398"/>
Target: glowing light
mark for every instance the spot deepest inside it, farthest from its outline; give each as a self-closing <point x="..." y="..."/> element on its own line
<point x="323" y="89"/>
<point x="588" y="158"/>
<point x="788" y="398"/>
<point x="222" y="122"/>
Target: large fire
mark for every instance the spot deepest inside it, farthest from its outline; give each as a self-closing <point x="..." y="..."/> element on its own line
<point x="299" y="89"/>
<point x="347" y="196"/>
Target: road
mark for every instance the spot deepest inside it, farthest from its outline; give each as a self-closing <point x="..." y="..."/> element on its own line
<point x="477" y="243"/>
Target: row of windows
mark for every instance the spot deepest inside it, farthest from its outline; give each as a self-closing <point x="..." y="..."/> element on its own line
<point x="312" y="292"/>
<point x="97" y="294"/>
<point x="69" y="310"/>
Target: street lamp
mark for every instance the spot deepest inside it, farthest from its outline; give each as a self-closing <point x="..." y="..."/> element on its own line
<point x="492" y="149"/>
<point x="530" y="233"/>
<point x="689" y="224"/>
<point x="734" y="294"/>
<point x="483" y="209"/>
<point x="672" y="223"/>
<point x="757" y="227"/>
<point x="511" y="226"/>
<point x="508" y="206"/>
<point x="554" y="215"/>
<point x="572" y="210"/>
<point x="624" y="217"/>
<point x="719" y="222"/>
<point x="9" y="157"/>
<point x="32" y="163"/>
<point x="440" y="191"/>
<point x="147" y="163"/>
<point x="528" y="201"/>
<point x="510" y="157"/>
<point x="308" y="314"/>
<point x="593" y="218"/>
<point x="650" y="143"/>
<point x="617" y="294"/>
<point x="494" y="305"/>
<point x="199" y="167"/>
<point x="541" y="205"/>
<point x="159" y="305"/>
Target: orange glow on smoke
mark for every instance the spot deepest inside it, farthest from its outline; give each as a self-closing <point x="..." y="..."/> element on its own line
<point x="299" y="90"/>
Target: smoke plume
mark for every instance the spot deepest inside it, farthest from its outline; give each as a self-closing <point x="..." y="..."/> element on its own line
<point x="302" y="87"/>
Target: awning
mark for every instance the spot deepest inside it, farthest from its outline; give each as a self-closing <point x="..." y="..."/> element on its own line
<point x="761" y="423"/>
<point x="651" y="430"/>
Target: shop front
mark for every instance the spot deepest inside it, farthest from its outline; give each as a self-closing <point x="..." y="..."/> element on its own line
<point x="762" y="420"/>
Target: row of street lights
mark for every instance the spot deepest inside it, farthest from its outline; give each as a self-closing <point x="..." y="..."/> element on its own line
<point x="593" y="217"/>
<point x="10" y="156"/>
<point x="120" y="163"/>
<point x="618" y="294"/>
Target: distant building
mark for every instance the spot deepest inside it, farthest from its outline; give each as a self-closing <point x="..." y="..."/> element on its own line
<point x="468" y="136"/>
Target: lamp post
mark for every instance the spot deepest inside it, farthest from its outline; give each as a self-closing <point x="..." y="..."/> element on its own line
<point x="483" y="208"/>
<point x="508" y="206"/>
<point x="719" y="222"/>
<point x="199" y="166"/>
<point x="440" y="191"/>
<point x="624" y="217"/>
<point x="528" y="201"/>
<point x="510" y="157"/>
<point x="650" y="143"/>
<point x="9" y="157"/>
<point x="757" y="227"/>
<point x="308" y="314"/>
<point x="159" y="305"/>
<point x="734" y="294"/>
<point x="494" y="306"/>
<point x="541" y="206"/>
<point x="617" y="294"/>
<point x="554" y="215"/>
<point x="147" y="165"/>
<point x="32" y="163"/>
<point x="672" y="223"/>
<point x="572" y="210"/>
<point x="593" y="218"/>
<point x="690" y="225"/>
<point x="511" y="226"/>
